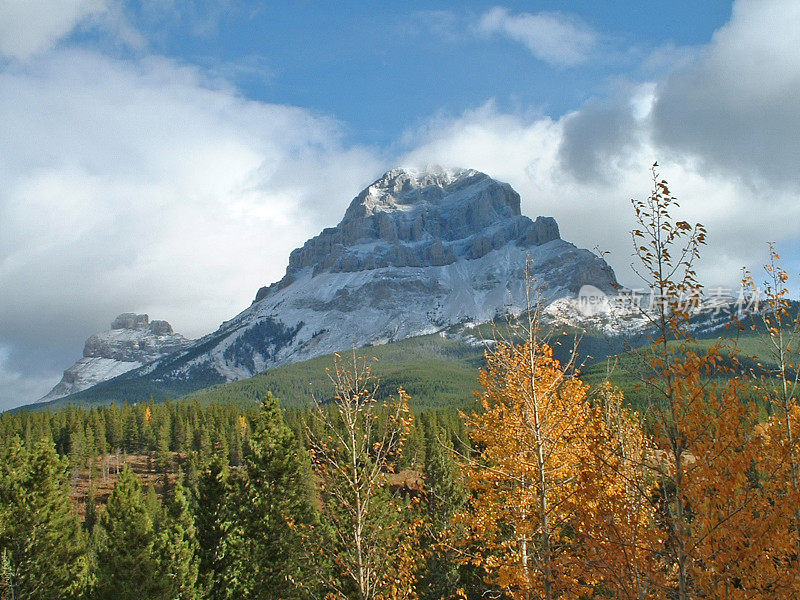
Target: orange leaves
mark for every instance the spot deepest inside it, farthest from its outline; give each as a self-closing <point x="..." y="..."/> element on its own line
<point x="529" y="435"/>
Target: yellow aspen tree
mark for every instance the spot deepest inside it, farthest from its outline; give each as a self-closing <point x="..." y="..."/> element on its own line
<point x="616" y="533"/>
<point x="519" y="523"/>
<point x="730" y="531"/>
<point x="779" y="328"/>
<point x="355" y="442"/>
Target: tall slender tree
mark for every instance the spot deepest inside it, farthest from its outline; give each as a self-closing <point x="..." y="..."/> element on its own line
<point x="703" y="430"/>
<point x="44" y="548"/>
<point x="210" y="523"/>
<point x="519" y="519"/>
<point x="127" y="568"/>
<point x="176" y="547"/>
<point x="445" y="496"/>
<point x="355" y="444"/>
<point x="270" y="515"/>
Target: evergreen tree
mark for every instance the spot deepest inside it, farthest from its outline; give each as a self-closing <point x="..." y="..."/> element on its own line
<point x="99" y="427"/>
<point x="127" y="569"/>
<point x="130" y="431"/>
<point x="78" y="447"/>
<point x="176" y="547"/>
<point x="179" y="438"/>
<point x="90" y="518"/>
<point x="163" y="455"/>
<point x="114" y="428"/>
<point x="211" y="493"/>
<point x="445" y="495"/>
<point x="44" y="548"/>
<point x="152" y="502"/>
<point x="271" y="512"/>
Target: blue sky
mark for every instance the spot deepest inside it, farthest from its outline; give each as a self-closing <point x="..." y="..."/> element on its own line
<point x="384" y="67"/>
<point x="165" y="157"/>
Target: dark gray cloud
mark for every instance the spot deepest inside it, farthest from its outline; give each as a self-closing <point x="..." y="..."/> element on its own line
<point x="597" y="136"/>
<point x="723" y="123"/>
<point x="736" y="105"/>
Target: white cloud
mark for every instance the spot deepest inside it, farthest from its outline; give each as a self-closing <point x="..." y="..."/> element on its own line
<point x="723" y="124"/>
<point x="29" y="27"/>
<point x="139" y="186"/>
<point x="555" y="38"/>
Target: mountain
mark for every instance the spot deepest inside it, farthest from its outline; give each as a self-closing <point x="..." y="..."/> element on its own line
<point x="416" y="253"/>
<point x="133" y="341"/>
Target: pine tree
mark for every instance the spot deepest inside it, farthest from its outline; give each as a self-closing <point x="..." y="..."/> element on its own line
<point x="99" y="427"/>
<point x="210" y="514"/>
<point x="114" y="428"/>
<point x="127" y="567"/>
<point x="163" y="455"/>
<point x="130" y="430"/>
<point x="90" y="518"/>
<point x="270" y="514"/>
<point x="43" y="545"/>
<point x="151" y="501"/>
<point x="176" y="547"/>
<point x="445" y="496"/>
<point x="179" y="436"/>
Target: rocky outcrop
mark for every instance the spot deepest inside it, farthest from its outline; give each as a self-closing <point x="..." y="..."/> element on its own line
<point x="411" y="219"/>
<point x="131" y="321"/>
<point x="133" y="341"/>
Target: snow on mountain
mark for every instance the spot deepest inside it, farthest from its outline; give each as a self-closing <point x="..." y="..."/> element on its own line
<point x="416" y="253"/>
<point x="133" y="341"/>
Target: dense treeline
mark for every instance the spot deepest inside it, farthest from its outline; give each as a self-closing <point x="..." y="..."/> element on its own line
<point x="187" y="434"/>
<point x="236" y="513"/>
<point x="550" y="489"/>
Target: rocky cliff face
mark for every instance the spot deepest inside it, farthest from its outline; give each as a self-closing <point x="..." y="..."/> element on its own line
<point x="416" y="253"/>
<point x="133" y="341"/>
<point x="428" y="219"/>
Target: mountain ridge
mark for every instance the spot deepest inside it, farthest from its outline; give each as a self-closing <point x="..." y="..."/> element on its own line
<point x="415" y="253"/>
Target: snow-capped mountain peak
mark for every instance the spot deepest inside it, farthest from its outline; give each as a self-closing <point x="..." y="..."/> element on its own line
<point x="416" y="252"/>
<point x="133" y="341"/>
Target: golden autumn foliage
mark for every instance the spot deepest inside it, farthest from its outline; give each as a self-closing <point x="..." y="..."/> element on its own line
<point x="617" y="536"/>
<point x="520" y="517"/>
<point x="780" y="464"/>
<point x="573" y="495"/>
<point x="712" y="510"/>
